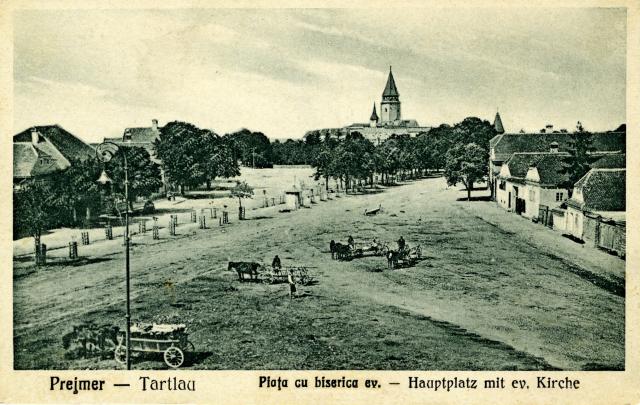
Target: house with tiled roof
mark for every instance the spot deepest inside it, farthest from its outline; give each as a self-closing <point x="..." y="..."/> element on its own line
<point x="45" y="150"/>
<point x="596" y="210"/>
<point x="531" y="180"/>
<point x="502" y="146"/>
<point x="142" y="137"/>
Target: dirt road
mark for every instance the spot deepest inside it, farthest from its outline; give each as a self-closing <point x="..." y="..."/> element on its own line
<point x="486" y="297"/>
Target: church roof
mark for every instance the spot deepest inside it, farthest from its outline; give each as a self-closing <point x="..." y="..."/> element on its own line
<point x="390" y="89"/>
<point x="497" y="124"/>
<point x="374" y="116"/>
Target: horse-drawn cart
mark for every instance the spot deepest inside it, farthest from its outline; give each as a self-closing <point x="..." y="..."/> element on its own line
<point x="273" y="275"/>
<point x="359" y="249"/>
<point x="169" y="339"/>
<point x="404" y="258"/>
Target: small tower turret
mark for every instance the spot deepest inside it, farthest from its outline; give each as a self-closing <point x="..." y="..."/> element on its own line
<point x="373" y="121"/>
<point x="497" y="124"/>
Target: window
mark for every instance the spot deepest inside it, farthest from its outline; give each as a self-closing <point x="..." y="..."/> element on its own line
<point x="559" y="196"/>
<point x="532" y="195"/>
<point x="502" y="185"/>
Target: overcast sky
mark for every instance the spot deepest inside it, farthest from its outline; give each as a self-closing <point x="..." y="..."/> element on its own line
<point x="284" y="72"/>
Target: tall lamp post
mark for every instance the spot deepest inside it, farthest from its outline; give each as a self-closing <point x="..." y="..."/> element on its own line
<point x="105" y="152"/>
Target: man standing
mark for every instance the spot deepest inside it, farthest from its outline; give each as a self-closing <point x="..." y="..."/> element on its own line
<point x="276" y="264"/>
<point x="292" y="285"/>
<point x="401" y="243"/>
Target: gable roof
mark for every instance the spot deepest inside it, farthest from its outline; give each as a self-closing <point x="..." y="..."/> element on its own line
<point x="142" y="135"/>
<point x="35" y="160"/>
<point x="507" y="144"/>
<point x="547" y="164"/>
<point x="67" y="144"/>
<point x="24" y="159"/>
<point x="611" y="161"/>
<point x="549" y="167"/>
<point x="602" y="190"/>
<point x="390" y="89"/>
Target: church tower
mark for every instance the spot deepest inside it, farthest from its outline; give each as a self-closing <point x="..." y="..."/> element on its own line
<point x="390" y="105"/>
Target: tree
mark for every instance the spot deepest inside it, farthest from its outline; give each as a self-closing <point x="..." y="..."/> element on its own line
<point x="387" y="156"/>
<point x="76" y="188"/>
<point x="218" y="159"/>
<point x="192" y="156"/>
<point x="34" y="207"/>
<point x="253" y="149"/>
<point x="579" y="159"/>
<point x="240" y="191"/>
<point x="466" y="164"/>
<point x="143" y="173"/>
<point x="474" y="130"/>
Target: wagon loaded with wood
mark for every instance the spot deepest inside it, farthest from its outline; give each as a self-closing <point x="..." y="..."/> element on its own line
<point x="169" y="339"/>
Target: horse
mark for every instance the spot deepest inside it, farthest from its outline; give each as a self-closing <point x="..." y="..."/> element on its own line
<point x="392" y="258"/>
<point x="250" y="268"/>
<point x="342" y="251"/>
<point x="332" y="248"/>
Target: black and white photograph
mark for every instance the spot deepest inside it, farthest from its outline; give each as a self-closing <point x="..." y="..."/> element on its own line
<point x="385" y="188"/>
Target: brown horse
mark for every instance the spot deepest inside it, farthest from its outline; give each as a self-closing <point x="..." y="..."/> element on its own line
<point x="242" y="268"/>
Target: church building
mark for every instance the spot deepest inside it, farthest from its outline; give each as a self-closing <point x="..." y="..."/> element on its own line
<point x="389" y="121"/>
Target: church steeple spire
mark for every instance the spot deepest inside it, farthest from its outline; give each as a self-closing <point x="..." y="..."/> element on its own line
<point x="497" y="124"/>
<point x="390" y="89"/>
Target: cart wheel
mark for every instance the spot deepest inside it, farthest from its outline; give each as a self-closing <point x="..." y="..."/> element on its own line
<point x="120" y="354"/>
<point x="173" y="357"/>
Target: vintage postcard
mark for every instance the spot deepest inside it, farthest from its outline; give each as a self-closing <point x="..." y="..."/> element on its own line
<point x="276" y="202"/>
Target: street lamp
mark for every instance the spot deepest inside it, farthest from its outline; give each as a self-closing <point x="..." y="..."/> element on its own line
<point x="105" y="152"/>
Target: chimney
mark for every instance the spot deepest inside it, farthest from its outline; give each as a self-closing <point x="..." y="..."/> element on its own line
<point x="549" y="128"/>
<point x="554" y="147"/>
<point x="34" y="136"/>
<point x="154" y="124"/>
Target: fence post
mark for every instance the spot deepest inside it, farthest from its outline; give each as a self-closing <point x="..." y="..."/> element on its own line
<point x="43" y="254"/>
<point x="85" y="237"/>
<point x="73" y="250"/>
<point x="142" y="227"/>
<point x="156" y="230"/>
<point x="194" y="216"/>
<point x="173" y="219"/>
<point x="108" y="231"/>
<point x="203" y="222"/>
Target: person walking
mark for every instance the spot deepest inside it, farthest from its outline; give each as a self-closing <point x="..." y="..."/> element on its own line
<point x="292" y="285"/>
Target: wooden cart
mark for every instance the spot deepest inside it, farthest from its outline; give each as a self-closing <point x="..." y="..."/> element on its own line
<point x="270" y="275"/>
<point x="169" y="339"/>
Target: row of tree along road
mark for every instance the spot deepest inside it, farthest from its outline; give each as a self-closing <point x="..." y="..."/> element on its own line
<point x="194" y="158"/>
